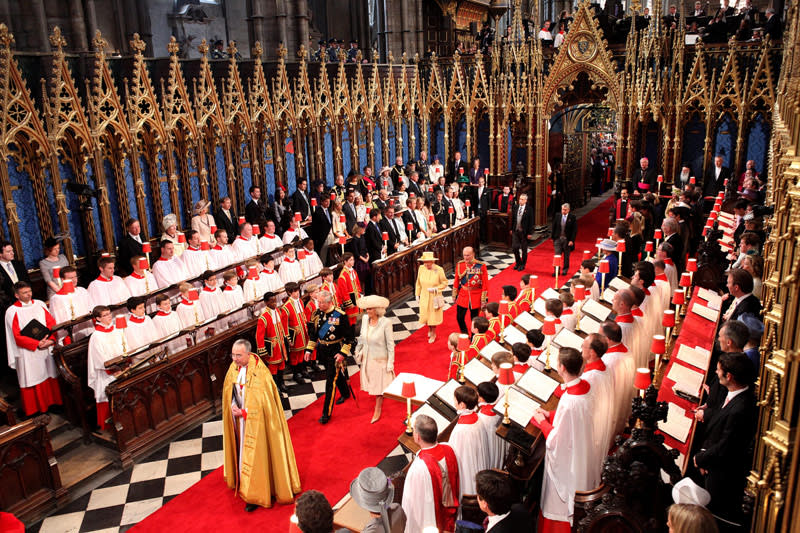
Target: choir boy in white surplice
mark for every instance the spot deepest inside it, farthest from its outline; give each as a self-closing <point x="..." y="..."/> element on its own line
<point x="141" y="281"/>
<point x="468" y="440"/>
<point x="294" y="231"/>
<point x="222" y="253"/>
<point x="601" y="381"/>
<point x="569" y="434"/>
<point x="269" y="241"/>
<point x="311" y="263"/>
<point x="246" y="244"/>
<point x="166" y="321"/>
<point x="31" y="357"/>
<point x="269" y="276"/>
<point x="107" y="289"/>
<point x="169" y="269"/>
<point x="195" y="259"/>
<point x="104" y="344"/>
<point x="140" y="331"/>
<point x="663" y="253"/>
<point x="489" y="420"/>
<point x="211" y="301"/>
<point x="189" y="310"/>
<point x="554" y="308"/>
<point x="622" y="304"/>
<point x="568" y="317"/>
<point x="290" y="269"/>
<point x="71" y="302"/>
<point x="622" y="366"/>
<point x="430" y="492"/>
<point x="232" y="295"/>
<point x="255" y="285"/>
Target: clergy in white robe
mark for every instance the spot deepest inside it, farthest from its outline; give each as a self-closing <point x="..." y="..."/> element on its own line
<point x="166" y="321"/>
<point x="188" y="309"/>
<point x="669" y="266"/>
<point x="69" y="303"/>
<point x="31" y="358"/>
<point x="104" y="344"/>
<point x="211" y="300"/>
<point x="290" y="269"/>
<point x="269" y="241"/>
<point x="222" y="254"/>
<point x="497" y="448"/>
<point x="663" y="288"/>
<point x="195" y="259"/>
<point x="631" y="329"/>
<point x="232" y="294"/>
<point x="601" y="381"/>
<point x="431" y="489"/>
<point x="622" y="367"/>
<point x="140" y="331"/>
<point x="107" y="289"/>
<point x="169" y="269"/>
<point x="246" y="244"/>
<point x="468" y="440"/>
<point x="569" y="433"/>
<point x="294" y="232"/>
<point x="311" y="263"/>
<point x="141" y="281"/>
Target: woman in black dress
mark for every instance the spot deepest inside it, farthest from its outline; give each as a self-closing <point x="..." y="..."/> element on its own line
<point x="358" y="247"/>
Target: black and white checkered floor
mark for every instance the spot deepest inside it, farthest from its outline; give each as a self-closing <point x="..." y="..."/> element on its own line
<point x="132" y="495"/>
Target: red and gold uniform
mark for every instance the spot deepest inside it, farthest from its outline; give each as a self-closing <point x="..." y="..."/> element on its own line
<point x="348" y="293"/>
<point x="495" y="327"/>
<point x="330" y="287"/>
<point x="471" y="284"/>
<point x="311" y="306"/>
<point x="479" y="341"/>
<point x="525" y="299"/>
<point x="271" y="331"/>
<point x="513" y="311"/>
<point x="297" y="329"/>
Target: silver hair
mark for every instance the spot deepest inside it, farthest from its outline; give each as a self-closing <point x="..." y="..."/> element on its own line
<point x="565" y="205"/>
<point x="244" y="343"/>
<point x="325" y="295"/>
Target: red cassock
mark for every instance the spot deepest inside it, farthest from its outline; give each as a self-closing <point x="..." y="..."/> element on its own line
<point x="524" y="300"/>
<point x="297" y="329"/>
<point x="348" y="292"/>
<point x="495" y="327"/>
<point x="270" y="334"/>
<point x="330" y="287"/>
<point x="513" y="311"/>
<point x="479" y="340"/>
<point x="471" y="284"/>
<point x="311" y="306"/>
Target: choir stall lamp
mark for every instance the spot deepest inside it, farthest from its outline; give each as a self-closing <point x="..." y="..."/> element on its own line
<point x="385" y="238"/>
<point x="620" y="249"/>
<point x="467" y="203"/>
<point x="549" y="331"/>
<point x="410" y="230"/>
<point x="706" y="230"/>
<point x="599" y="250"/>
<point x="241" y="220"/>
<point x="579" y="293"/>
<point x="408" y="391"/>
<point x="297" y="216"/>
<point x="558" y="264"/>
<point x="450" y="213"/>
<point x="121" y="324"/>
<point x="506" y="377"/>
<point x="252" y="274"/>
<point x="69" y="288"/>
<point x="194" y="296"/>
<point x="462" y="347"/>
<point x="342" y="241"/>
<point x="678" y="299"/>
<point x="685" y="283"/>
<point x="205" y="247"/>
<point x="692" y="180"/>
<point x="144" y="265"/>
<point x="587" y="255"/>
<point x="181" y="238"/>
<point x="146" y="250"/>
<point x="691" y="268"/>
<point x="642" y="380"/>
<point x="648" y="247"/>
<point x="313" y="202"/>
<point x="668" y="321"/>
<point x="604" y="269"/>
<point x="56" y="275"/>
<point x="212" y="229"/>
<point x="333" y="196"/>
<point x="658" y="347"/>
<point x="657" y="235"/>
<point x="301" y="255"/>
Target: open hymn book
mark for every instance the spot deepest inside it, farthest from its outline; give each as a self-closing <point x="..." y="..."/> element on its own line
<point x="537" y="384"/>
<point x="677" y="425"/>
<point x="520" y="406"/>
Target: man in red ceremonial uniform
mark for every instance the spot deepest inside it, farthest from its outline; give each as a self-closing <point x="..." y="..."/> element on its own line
<point x="328" y="285"/>
<point x="470" y="287"/>
<point x="270" y="338"/>
<point x="297" y="329"/>
<point x="348" y="288"/>
<point x="430" y="493"/>
<point x="480" y="337"/>
<point x="313" y="291"/>
<point x="32" y="358"/>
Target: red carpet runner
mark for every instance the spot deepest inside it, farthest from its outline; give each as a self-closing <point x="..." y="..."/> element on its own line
<point x="330" y="456"/>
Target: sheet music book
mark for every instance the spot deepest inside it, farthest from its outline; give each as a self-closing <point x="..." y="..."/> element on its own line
<point x="725" y="215"/>
<point x="597" y="310"/>
<point x="512" y="335"/>
<point x="696" y="358"/>
<point x="705" y="312"/>
<point x="549" y="294"/>
<point x="589" y="325"/>
<point x="446" y="393"/>
<point x="520" y="407"/>
<point x="686" y="379"/>
<point x="714" y="300"/>
<point x="539" y="306"/>
<point x="727" y="238"/>
<point x="567" y="339"/>
<point x="427" y="409"/>
<point x="608" y="295"/>
<point x="476" y="372"/>
<point x="537" y="384"/>
<point x="490" y="349"/>
<point x="528" y="321"/>
<point x="618" y="284"/>
<point x="678" y="425"/>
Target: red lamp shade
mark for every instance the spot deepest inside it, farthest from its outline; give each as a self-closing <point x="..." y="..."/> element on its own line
<point x="678" y="298"/>
<point x="450" y="210"/>
<point x="369" y="186"/>
<point x="463" y="342"/>
<point x="686" y="280"/>
<point x="725" y="182"/>
<point x="252" y="273"/>
<point x="557" y="261"/>
<point x="660" y="179"/>
<point x="485" y="171"/>
<point x="467" y="203"/>
<point x="658" y="345"/>
<point x="691" y="265"/>
<point x="692" y="180"/>
<point x="342" y="239"/>
<point x="213" y="229"/>
<point x="713" y="215"/>
<point x="409" y="389"/>
<point x="120" y="322"/>
<point x="342" y="219"/>
<point x="658" y="234"/>
<point x="648" y="246"/>
<point x="461" y="171"/>
<point x="409" y="226"/>
<point x="610" y="232"/>
<point x="143" y="264"/>
<point x="587" y="254"/>
<point x="718" y="202"/>
<point x="502" y="307"/>
<point x="412" y="195"/>
<point x="194" y="295"/>
<point x="301" y="254"/>
<point x="549" y="326"/>
<point x="391" y="202"/>
<point x="642" y="379"/>
<point x="430" y="218"/>
<point x="668" y="319"/>
<point x="385" y="236"/>
<point x="181" y="237"/>
<point x="56" y="272"/>
<point x="204" y="246"/>
<point x="69" y="288"/>
<point x="241" y="220"/>
<point x="256" y="229"/>
<point x="313" y="202"/>
<point x="604" y="269"/>
<point x="598" y="241"/>
<point x="146" y="248"/>
<point x="297" y="216"/>
<point x="579" y="292"/>
<point x="333" y="196"/>
<point x="506" y="376"/>
<point x="385" y="183"/>
<point x="621" y="245"/>
<point x="706" y="229"/>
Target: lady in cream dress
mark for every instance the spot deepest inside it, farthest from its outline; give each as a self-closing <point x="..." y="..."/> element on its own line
<point x="202" y="222"/>
<point x="375" y="350"/>
<point x="431" y="281"/>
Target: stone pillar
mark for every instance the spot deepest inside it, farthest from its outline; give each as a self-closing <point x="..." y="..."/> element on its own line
<point x="404" y="31"/>
<point x="256" y="17"/>
<point x="41" y="25"/>
<point x="78" y="25"/>
<point x="5" y="14"/>
<point x="281" y="14"/>
<point x="301" y="16"/>
<point x="91" y="17"/>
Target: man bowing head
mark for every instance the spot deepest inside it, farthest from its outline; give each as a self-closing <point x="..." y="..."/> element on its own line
<point x="264" y="469"/>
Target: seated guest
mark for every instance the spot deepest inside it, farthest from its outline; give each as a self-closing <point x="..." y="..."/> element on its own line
<point x="202" y="221"/>
<point x="129" y="245"/>
<point x="104" y="344"/>
<point x="141" y="281"/>
<point x="169" y="269"/>
<point x="166" y="321"/>
<point x="524" y="299"/>
<point x="140" y="331"/>
<point x="232" y="295"/>
<point x="535" y="339"/>
<point x="468" y="440"/>
<point x="211" y="301"/>
<point x="195" y="259"/>
<point x="269" y="276"/>
<point x="431" y="489"/>
<point x="522" y="354"/>
<point x="222" y="253"/>
<point x="71" y="301"/>
<point x="569" y="434"/>
<point x="53" y="258"/>
<point x="188" y="310"/>
<point x="294" y="232"/>
<point x="269" y="241"/>
<point x="372" y="491"/>
<point x="496" y="499"/>
<point x="755" y="265"/>
<point x="740" y="297"/>
<point x="607" y="247"/>
<point x="755" y="328"/>
<point x="489" y="419"/>
<point x="246" y="244"/>
<point x="600" y="379"/>
<point x="170" y="225"/>
<point x="107" y="289"/>
<point x="311" y="263"/>
<point x="622" y="367"/>
<point x="749" y="244"/>
<point x="290" y="269"/>
<point x="31" y="358"/>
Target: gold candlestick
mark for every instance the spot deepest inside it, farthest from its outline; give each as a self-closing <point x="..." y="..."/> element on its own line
<point x="409" y="429"/>
<point x="506" y="419"/>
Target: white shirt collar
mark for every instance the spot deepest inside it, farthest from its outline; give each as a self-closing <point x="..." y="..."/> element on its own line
<point x="494" y="519"/>
<point x="736" y="301"/>
<point x="733" y="394"/>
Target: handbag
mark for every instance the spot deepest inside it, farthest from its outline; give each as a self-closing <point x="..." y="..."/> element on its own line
<point x="438" y="301"/>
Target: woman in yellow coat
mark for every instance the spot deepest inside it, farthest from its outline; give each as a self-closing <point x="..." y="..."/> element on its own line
<point x="431" y="281"/>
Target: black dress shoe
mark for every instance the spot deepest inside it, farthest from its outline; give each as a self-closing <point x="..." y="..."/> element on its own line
<point x="282" y="387"/>
<point x="250" y="507"/>
<point x="305" y="373"/>
<point x="315" y="367"/>
<point x="324" y="419"/>
<point x="298" y="378"/>
<point x="341" y="400"/>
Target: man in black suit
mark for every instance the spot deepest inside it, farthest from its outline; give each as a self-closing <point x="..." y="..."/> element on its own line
<point x="373" y="236"/>
<point x="349" y="210"/>
<point x="410" y="218"/>
<point x="715" y="178"/>
<point x="521" y="229"/>
<point x="457" y="164"/>
<point x="725" y="454"/>
<point x="226" y="218"/>
<point x="563" y="232"/>
<point x="496" y="498"/>
<point x="382" y="201"/>
<point x="413" y="184"/>
<point x="741" y="298"/>
<point x="255" y="212"/>
<point x="129" y="246"/>
<point x="772" y="26"/>
<point x="439" y="210"/>
<point x="482" y="202"/>
<point x="321" y="227"/>
<point x="386" y="225"/>
<point x="300" y="201"/>
<point x="670" y="228"/>
<point x="645" y="177"/>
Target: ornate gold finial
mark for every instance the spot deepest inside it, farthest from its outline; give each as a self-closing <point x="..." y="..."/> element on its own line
<point x="6" y="37"/>
<point x="375" y="55"/>
<point x="258" y="51"/>
<point x="99" y="42"/>
<point x="138" y="44"/>
<point x="203" y="48"/>
<point x="282" y="52"/>
<point x="301" y="54"/>
<point x="173" y="47"/>
<point x="232" y="50"/>
<point x="57" y="40"/>
<point x="403" y="59"/>
<point x="390" y="58"/>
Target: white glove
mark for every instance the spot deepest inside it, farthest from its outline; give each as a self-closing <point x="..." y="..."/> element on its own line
<point x="390" y="367"/>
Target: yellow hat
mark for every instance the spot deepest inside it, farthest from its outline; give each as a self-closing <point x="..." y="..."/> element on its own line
<point x="427" y="256"/>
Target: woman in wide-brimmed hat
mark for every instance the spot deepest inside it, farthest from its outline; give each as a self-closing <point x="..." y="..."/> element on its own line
<point x="375" y="350"/>
<point x="202" y="221"/>
<point x="431" y="281"/>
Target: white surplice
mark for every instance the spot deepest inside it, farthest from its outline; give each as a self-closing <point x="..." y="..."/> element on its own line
<point x="196" y="261"/>
<point x="312" y="264"/>
<point x="33" y="366"/>
<point x="169" y="271"/>
<point x="66" y="307"/>
<point x="167" y="324"/>
<point x="245" y="248"/>
<point x="232" y="297"/>
<point x="267" y="243"/>
<point x="211" y="301"/>
<point x="190" y="313"/>
<point x="140" y="332"/>
<point x="418" y="502"/>
<point x="290" y="234"/>
<point x="222" y="256"/>
<point x="139" y="285"/>
<point x="290" y="270"/>
<point x="622" y="367"/>
<point x="469" y="442"/>
<point x="601" y="381"/>
<point x="497" y="448"/>
<point x="104" y="344"/>
<point x="104" y="291"/>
